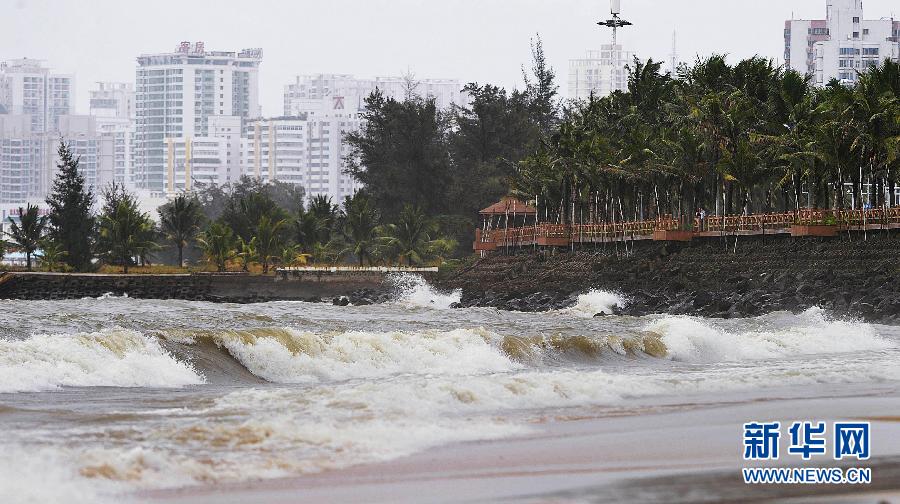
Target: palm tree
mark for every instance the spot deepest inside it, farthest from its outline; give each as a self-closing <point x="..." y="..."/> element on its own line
<point x="314" y="224"/>
<point x="360" y="226"/>
<point x="52" y="255"/>
<point x="28" y="231"/>
<point x="246" y="252"/>
<point x="268" y="240"/>
<point x="410" y="238"/>
<point x="125" y="232"/>
<point x="180" y="221"/>
<point x="217" y="243"/>
<point x="291" y="255"/>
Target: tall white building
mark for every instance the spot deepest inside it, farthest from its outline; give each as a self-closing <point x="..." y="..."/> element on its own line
<point x="841" y="45"/>
<point x="95" y="152"/>
<point x="599" y="72"/>
<point x="21" y="157"/>
<point x="307" y="145"/>
<point x="28" y="160"/>
<point x="305" y="150"/>
<point x="177" y="93"/>
<point x="112" y="104"/>
<point x="193" y="162"/>
<point x="27" y="87"/>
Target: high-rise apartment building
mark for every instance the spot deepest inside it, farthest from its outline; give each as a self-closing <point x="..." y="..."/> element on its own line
<point x="599" y="72"/>
<point x="177" y="93"/>
<point x="21" y="156"/>
<point x="193" y="162"/>
<point x="840" y="46"/>
<point x="95" y="152"/>
<point x="112" y="104"/>
<point x="306" y="151"/>
<point x="307" y="146"/>
<point x="27" y="87"/>
<point x="28" y="160"/>
<point x="277" y="149"/>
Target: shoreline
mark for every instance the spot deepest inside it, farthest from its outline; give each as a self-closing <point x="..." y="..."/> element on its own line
<point x="595" y="458"/>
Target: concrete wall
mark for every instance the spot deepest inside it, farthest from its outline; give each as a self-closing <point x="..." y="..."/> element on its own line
<point x="202" y="287"/>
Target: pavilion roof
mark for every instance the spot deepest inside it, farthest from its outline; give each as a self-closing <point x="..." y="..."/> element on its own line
<point x="508" y="205"/>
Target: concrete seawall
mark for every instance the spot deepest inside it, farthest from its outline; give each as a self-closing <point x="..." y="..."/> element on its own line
<point x="228" y="287"/>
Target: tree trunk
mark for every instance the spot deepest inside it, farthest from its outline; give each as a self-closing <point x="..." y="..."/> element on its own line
<point x="180" y="255"/>
<point x="28" y="260"/>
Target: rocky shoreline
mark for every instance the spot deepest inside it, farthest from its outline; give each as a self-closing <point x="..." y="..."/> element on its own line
<point x="847" y="276"/>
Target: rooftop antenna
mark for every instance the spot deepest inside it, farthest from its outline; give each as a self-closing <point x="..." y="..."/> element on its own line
<point x="615" y="8"/>
<point x="674" y="55"/>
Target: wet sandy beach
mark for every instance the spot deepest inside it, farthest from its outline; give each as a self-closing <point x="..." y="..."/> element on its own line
<point x="674" y="453"/>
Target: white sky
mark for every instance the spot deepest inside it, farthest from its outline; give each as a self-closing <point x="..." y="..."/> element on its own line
<point x="471" y="40"/>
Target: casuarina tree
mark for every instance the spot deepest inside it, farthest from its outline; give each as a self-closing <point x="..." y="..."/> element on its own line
<point x="71" y="218"/>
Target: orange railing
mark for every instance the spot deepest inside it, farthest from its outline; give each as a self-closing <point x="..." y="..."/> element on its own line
<point x="754" y="224"/>
<point x="529" y="235"/>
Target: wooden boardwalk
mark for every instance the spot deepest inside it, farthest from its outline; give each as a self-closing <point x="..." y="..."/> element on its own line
<point x="822" y="223"/>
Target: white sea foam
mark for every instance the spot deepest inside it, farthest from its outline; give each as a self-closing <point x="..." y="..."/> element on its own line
<point x="596" y="301"/>
<point x="696" y="340"/>
<point x="50" y="476"/>
<point x="291" y="356"/>
<point x="413" y="290"/>
<point x="370" y="396"/>
<point x="110" y="295"/>
<point x="114" y="357"/>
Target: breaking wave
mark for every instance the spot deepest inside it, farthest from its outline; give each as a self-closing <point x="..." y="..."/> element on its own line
<point x="697" y="340"/>
<point x="125" y="358"/>
<point x="596" y="301"/>
<point x="371" y="395"/>
<point x="285" y="355"/>
<point x="114" y="358"/>
<point x="413" y="290"/>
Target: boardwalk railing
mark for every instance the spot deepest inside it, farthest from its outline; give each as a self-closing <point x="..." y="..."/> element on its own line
<point x="774" y="223"/>
<point x="357" y="269"/>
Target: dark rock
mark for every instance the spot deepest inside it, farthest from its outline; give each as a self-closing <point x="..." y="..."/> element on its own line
<point x="701" y="299"/>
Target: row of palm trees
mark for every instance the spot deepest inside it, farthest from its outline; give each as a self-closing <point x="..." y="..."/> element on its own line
<point x="124" y="235"/>
<point x="320" y="232"/>
<point x="738" y="139"/>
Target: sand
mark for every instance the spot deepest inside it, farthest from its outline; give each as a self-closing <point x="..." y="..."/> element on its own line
<point x="649" y="453"/>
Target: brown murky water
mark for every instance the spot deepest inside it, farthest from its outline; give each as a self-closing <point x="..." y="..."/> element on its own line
<point x="102" y="397"/>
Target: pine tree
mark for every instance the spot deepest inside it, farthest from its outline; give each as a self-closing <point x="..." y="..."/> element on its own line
<point x="72" y="221"/>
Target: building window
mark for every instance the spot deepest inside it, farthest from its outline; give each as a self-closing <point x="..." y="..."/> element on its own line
<point x="856" y="19"/>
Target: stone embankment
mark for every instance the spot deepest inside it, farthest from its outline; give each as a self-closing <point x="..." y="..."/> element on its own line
<point x="714" y="278"/>
<point x="361" y="287"/>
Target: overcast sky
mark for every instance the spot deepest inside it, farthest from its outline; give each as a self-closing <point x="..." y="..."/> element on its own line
<point x="471" y="40"/>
